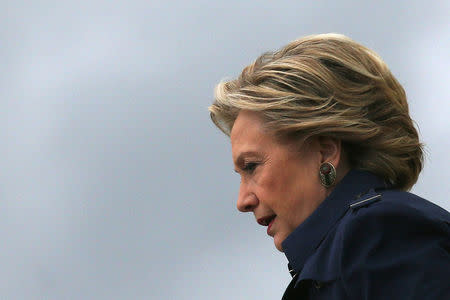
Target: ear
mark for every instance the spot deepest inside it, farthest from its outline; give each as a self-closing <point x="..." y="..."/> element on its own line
<point x="330" y="150"/>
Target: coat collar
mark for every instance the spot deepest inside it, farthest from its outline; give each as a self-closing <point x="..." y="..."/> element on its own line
<point x="305" y="239"/>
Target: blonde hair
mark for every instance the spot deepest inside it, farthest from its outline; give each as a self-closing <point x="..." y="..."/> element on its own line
<point x="329" y="85"/>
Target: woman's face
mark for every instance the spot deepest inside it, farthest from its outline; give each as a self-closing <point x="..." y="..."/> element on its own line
<point x="279" y="183"/>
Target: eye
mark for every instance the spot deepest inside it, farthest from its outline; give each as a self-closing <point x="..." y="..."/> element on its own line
<point x="249" y="167"/>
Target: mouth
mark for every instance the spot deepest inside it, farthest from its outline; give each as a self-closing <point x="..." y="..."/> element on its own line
<point x="265" y="221"/>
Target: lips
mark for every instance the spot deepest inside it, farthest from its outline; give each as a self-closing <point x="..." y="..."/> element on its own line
<point x="265" y="221"/>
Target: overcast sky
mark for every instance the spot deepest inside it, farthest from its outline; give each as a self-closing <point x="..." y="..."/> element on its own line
<point x="114" y="184"/>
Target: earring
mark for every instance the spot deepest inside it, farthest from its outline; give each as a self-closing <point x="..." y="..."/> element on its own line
<point x="327" y="174"/>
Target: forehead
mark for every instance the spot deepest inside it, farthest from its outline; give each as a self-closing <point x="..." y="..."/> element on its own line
<point x="247" y="125"/>
<point x="248" y="133"/>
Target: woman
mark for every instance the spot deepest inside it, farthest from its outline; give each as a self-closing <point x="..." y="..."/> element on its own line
<point x="326" y="150"/>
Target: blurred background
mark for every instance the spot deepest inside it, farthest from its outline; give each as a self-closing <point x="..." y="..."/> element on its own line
<point x="114" y="184"/>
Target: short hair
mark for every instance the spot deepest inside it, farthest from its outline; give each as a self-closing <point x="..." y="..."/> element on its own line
<point x="329" y="85"/>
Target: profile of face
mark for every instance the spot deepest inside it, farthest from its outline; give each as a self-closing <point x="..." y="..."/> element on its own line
<point x="279" y="181"/>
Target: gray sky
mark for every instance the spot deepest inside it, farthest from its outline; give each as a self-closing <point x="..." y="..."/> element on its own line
<point x="114" y="184"/>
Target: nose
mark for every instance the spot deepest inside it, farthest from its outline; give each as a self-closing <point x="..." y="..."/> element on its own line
<point x="247" y="201"/>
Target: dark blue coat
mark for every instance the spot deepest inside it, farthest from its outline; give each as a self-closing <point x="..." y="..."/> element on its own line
<point x="366" y="241"/>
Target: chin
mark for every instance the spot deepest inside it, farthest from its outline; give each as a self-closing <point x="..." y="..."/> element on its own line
<point x="277" y="243"/>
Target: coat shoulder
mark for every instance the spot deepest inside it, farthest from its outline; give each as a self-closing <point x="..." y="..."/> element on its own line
<point x="378" y="206"/>
<point x="399" y="241"/>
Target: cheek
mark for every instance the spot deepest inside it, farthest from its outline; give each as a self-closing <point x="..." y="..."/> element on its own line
<point x="286" y="192"/>
<point x="302" y="194"/>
